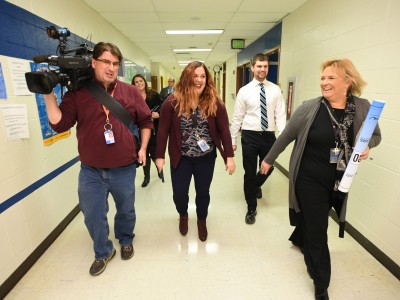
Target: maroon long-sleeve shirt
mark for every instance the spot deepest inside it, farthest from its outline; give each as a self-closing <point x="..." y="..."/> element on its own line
<point x="81" y="108"/>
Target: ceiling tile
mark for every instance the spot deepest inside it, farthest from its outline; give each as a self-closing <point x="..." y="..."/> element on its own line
<point x="145" y="22"/>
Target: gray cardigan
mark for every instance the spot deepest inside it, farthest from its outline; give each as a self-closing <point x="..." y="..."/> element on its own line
<point x="297" y="130"/>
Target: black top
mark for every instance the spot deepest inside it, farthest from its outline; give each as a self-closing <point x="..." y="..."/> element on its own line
<point x="153" y="101"/>
<point x="316" y="172"/>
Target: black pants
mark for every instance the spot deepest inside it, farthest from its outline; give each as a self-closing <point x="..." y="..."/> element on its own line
<point x="255" y="146"/>
<point x="150" y="156"/>
<point x="147" y="167"/>
<point x="311" y="233"/>
<point x="202" y="170"/>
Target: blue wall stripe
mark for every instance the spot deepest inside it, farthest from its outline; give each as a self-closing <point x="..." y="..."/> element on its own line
<point x="38" y="184"/>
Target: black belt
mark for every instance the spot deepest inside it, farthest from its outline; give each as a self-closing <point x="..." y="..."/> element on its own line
<point x="260" y="132"/>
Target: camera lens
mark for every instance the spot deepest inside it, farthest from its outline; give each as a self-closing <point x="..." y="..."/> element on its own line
<point x="47" y="82"/>
<point x="41" y="82"/>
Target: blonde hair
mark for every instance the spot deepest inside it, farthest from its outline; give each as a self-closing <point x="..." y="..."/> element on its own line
<point x="347" y="67"/>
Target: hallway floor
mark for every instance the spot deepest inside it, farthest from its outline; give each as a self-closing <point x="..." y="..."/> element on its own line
<point x="237" y="262"/>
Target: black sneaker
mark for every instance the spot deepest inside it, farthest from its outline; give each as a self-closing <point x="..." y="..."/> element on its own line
<point x="251" y="217"/>
<point x="127" y="252"/>
<point x="99" y="266"/>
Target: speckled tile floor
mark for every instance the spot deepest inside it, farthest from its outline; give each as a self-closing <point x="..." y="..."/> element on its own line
<point x="238" y="261"/>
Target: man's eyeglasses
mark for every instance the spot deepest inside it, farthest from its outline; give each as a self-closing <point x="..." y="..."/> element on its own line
<point x="115" y="64"/>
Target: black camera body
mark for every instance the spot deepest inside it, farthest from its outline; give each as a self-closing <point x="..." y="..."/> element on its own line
<point x="73" y="70"/>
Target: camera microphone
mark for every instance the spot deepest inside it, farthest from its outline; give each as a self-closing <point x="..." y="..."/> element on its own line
<point x="51" y="59"/>
<point x="41" y="58"/>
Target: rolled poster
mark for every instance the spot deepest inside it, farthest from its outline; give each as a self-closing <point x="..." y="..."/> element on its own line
<point x="365" y="135"/>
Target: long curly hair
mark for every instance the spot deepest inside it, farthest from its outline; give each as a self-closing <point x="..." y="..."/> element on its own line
<point x="185" y="92"/>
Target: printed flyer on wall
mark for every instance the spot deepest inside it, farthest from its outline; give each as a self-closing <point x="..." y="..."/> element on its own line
<point x="3" y="92"/>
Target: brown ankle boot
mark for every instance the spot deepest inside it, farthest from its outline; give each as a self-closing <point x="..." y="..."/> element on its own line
<point x="202" y="228"/>
<point x="183" y="224"/>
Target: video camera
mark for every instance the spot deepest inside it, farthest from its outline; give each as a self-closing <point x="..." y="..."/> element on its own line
<point x="73" y="71"/>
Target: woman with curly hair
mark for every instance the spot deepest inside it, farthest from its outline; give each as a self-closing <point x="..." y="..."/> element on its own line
<point x="195" y="121"/>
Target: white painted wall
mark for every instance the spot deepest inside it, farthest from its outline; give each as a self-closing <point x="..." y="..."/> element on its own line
<point x="230" y="85"/>
<point x="157" y="69"/>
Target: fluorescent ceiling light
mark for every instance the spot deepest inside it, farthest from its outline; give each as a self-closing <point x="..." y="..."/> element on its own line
<point x="192" y="50"/>
<point x="185" y="62"/>
<point x="210" y="31"/>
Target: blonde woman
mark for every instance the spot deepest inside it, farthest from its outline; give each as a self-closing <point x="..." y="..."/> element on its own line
<point x="324" y="130"/>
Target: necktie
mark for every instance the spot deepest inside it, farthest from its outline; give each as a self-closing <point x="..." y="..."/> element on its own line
<point x="263" y="106"/>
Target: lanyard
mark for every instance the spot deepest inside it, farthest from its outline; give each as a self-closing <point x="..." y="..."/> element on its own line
<point x="106" y="110"/>
<point x="336" y="129"/>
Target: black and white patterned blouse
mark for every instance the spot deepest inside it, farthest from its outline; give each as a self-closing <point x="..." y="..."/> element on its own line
<point x="193" y="129"/>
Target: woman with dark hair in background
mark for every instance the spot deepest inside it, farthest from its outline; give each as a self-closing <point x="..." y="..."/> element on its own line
<point x="153" y="101"/>
<point x="195" y="121"/>
<point x="324" y="130"/>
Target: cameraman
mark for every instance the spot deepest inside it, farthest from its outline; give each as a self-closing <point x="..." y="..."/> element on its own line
<point x="107" y="151"/>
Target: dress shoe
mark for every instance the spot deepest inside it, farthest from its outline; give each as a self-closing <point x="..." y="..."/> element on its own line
<point x="161" y="175"/>
<point x="183" y="224"/>
<point x="202" y="228"/>
<point x="259" y="193"/>
<point x="146" y="181"/>
<point x="298" y="246"/>
<point x="251" y="217"/>
<point x="321" y="294"/>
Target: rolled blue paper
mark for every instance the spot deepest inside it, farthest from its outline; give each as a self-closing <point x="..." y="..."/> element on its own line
<point x="364" y="136"/>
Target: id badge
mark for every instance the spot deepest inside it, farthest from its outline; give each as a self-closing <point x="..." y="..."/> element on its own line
<point x="203" y="145"/>
<point x="334" y="155"/>
<point x="109" y="136"/>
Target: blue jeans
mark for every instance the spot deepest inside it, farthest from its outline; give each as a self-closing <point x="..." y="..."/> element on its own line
<point x="93" y="189"/>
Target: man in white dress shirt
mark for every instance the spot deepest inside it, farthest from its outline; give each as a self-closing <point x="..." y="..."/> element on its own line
<point x="257" y="138"/>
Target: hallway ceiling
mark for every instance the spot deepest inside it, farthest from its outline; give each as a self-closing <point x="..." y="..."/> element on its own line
<point x="144" y="22"/>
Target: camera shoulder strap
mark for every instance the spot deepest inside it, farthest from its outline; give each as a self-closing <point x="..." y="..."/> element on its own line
<point x="108" y="101"/>
<point x="116" y="109"/>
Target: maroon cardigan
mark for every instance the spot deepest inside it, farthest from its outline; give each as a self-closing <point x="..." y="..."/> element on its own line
<point x="170" y="127"/>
